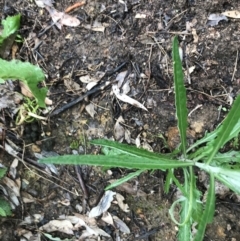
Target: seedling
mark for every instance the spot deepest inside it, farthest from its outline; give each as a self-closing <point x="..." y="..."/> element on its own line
<point x="28" y="112"/>
<point x="203" y="154"/>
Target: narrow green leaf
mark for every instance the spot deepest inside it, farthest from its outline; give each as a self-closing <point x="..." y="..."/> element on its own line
<point x="188" y="187"/>
<point x="171" y="178"/>
<point x="49" y="236"/>
<point x="208" y="213"/>
<point x="3" y="172"/>
<point x="107" y="151"/>
<point x="184" y="230"/>
<point x="123" y="161"/>
<point x="229" y="177"/>
<point x="226" y="128"/>
<point x="212" y="135"/>
<point x="128" y="149"/>
<point x="180" y="96"/>
<point x="10" y="25"/>
<point x="231" y="182"/>
<point x="207" y="138"/>
<point x="197" y="203"/>
<point x="31" y="75"/>
<point x="5" y="208"/>
<point x="231" y="156"/>
<point x="182" y="200"/>
<point x="186" y="203"/>
<point x="2" y="212"/>
<point x="124" y="179"/>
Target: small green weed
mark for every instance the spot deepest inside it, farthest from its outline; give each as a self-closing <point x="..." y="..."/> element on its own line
<point x="31" y="75"/>
<point x="203" y="154"/>
<point x="5" y="208"/>
<point x="10" y="26"/>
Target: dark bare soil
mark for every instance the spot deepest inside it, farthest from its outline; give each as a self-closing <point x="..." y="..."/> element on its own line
<point x="143" y="45"/>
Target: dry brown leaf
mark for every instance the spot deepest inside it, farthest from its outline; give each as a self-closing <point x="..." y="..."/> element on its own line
<point x="96" y="26"/>
<point x="215" y="18"/>
<point x="88" y="79"/>
<point x="70" y="84"/>
<point x="61" y="18"/>
<point x="122" y="205"/>
<point x="130" y="189"/>
<point x="232" y="14"/>
<point x="103" y="205"/>
<point x="43" y="3"/>
<point x="121" y="77"/>
<point x="123" y="97"/>
<point x="13" y="168"/>
<point x="27" y="92"/>
<point x="27" y="198"/>
<point x="90" y="108"/>
<point x="69" y="20"/>
<point x="140" y="15"/>
<point x="12" y="185"/>
<point x="64" y="226"/>
<point x="89" y="221"/>
<point x="119" y="130"/>
<point x="107" y="218"/>
<point x="121" y="225"/>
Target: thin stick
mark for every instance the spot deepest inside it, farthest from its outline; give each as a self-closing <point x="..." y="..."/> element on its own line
<point x="81" y="181"/>
<point x="197" y="107"/>
<point x="76" y="5"/>
<point x="235" y="67"/>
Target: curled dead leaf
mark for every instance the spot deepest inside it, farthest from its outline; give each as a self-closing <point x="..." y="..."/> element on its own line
<point x="125" y="98"/>
<point x="103" y="205"/>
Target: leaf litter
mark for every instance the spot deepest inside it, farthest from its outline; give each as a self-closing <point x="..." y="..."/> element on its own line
<point x="59" y="18"/>
<point x="69" y="224"/>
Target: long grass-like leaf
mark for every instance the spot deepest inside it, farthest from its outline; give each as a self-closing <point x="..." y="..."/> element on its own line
<point x="212" y="135"/>
<point x="180" y="96"/>
<point x="124" y="179"/>
<point x="208" y="213"/>
<point x="128" y="149"/>
<point x="229" y="177"/>
<point x="123" y="161"/>
<point x="232" y="182"/>
<point x="228" y="125"/>
<point x="231" y="156"/>
<point x="184" y="230"/>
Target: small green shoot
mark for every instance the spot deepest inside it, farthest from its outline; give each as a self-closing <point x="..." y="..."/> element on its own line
<point x="28" y="112"/>
<point x="203" y="154"/>
<point x="10" y="26"/>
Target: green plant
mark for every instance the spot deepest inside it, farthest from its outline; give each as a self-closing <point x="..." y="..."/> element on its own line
<point x="16" y="70"/>
<point x="203" y="154"/>
<point x="28" y="111"/>
<point x="10" y="26"/>
<point x="5" y="208"/>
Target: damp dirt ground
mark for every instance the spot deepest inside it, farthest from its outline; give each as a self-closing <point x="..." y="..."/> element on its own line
<point x="136" y="35"/>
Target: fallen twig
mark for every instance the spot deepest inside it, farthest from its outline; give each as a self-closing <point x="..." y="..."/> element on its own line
<point x="90" y="92"/>
<point x="76" y="5"/>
